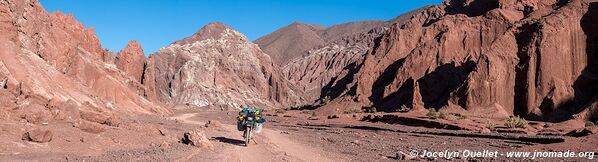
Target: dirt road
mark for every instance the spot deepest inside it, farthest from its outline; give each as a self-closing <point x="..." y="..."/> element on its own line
<point x="269" y="145"/>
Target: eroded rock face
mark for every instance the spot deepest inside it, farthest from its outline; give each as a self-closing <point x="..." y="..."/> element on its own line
<point x="312" y="67"/>
<point x="131" y="61"/>
<point x="489" y="57"/>
<point x="51" y="67"/>
<point x="220" y="67"/>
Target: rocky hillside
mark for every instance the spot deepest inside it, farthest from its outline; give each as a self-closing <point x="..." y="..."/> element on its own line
<point x="295" y="40"/>
<point x="494" y="58"/>
<point x="312" y="67"/>
<point x="291" y="41"/>
<point x="220" y="67"/>
<point x="53" y="69"/>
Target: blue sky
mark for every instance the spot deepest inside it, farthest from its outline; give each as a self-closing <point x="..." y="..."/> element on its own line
<point x="157" y="23"/>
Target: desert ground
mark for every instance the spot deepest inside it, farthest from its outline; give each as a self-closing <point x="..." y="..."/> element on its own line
<point x="299" y="135"/>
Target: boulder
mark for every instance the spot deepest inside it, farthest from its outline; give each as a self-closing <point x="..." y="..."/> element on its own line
<point x="213" y="124"/>
<point x="197" y="138"/>
<point x="100" y="118"/>
<point x="35" y="113"/>
<point x="38" y="135"/>
<point x="485" y="131"/>
<point x="89" y="127"/>
<point x="583" y="132"/>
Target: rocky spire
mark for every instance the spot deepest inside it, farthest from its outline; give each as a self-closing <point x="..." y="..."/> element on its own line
<point x="131" y="60"/>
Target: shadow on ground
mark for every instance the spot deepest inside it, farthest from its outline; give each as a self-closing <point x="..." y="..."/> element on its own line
<point x="230" y="141"/>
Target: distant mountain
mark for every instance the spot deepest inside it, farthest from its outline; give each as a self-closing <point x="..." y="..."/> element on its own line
<point x="311" y="56"/>
<point x="291" y="41"/>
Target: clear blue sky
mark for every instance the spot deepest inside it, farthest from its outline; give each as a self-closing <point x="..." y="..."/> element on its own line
<point x="157" y="23"/>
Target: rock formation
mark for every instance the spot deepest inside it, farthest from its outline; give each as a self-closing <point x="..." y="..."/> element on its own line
<point x="311" y="58"/>
<point x="51" y="67"/>
<point x="528" y="58"/>
<point x="37" y="135"/>
<point x="197" y="138"/>
<point x="220" y="67"/>
<point x="131" y="61"/>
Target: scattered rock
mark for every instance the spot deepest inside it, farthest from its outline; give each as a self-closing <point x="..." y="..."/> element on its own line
<point x="164" y="144"/>
<point x="286" y="116"/>
<point x="485" y="131"/>
<point x="64" y="110"/>
<point x="313" y="118"/>
<point x="38" y="135"/>
<point x="583" y="132"/>
<point x="333" y="116"/>
<point x="36" y="114"/>
<point x="162" y="131"/>
<point x="197" y="138"/>
<point x="100" y="118"/>
<point x="403" y="156"/>
<point x="213" y="124"/>
<point x="89" y="127"/>
<point x="284" y="132"/>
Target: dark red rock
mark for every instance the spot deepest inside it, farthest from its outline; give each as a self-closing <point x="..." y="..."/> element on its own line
<point x="131" y="61"/>
<point x="511" y="58"/>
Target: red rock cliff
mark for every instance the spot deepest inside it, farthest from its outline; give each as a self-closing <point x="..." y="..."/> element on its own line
<point x="499" y="57"/>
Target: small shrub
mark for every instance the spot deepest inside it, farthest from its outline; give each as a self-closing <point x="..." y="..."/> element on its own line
<point x="516" y="122"/>
<point x="489" y="125"/>
<point x="352" y="111"/>
<point x="432" y="114"/>
<point x="313" y="113"/>
<point x="369" y="109"/>
<point x="441" y="115"/>
<point x="403" y="108"/>
<point x="297" y="108"/>
<point x="326" y="100"/>
<point x="458" y="115"/>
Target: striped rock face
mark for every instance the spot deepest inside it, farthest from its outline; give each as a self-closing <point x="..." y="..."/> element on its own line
<point x="219" y="67"/>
